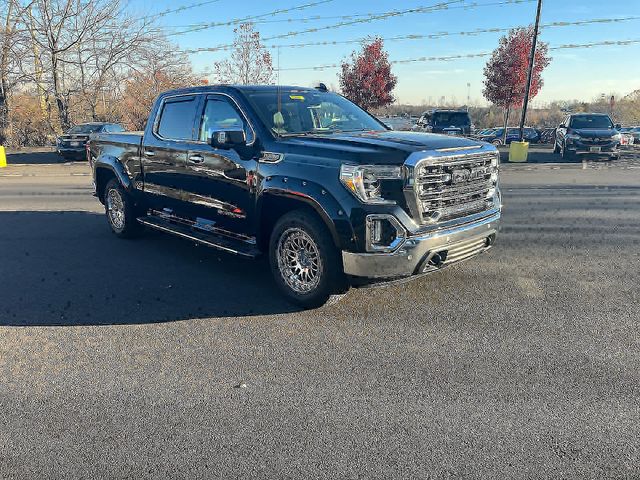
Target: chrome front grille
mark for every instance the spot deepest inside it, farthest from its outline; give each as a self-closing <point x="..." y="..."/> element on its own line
<point x="449" y="187"/>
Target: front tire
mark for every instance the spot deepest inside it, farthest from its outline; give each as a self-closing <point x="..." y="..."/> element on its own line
<point x="120" y="211"/>
<point x="305" y="262"/>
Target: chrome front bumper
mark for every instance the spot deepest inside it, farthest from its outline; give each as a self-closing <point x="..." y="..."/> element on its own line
<point x="425" y="253"/>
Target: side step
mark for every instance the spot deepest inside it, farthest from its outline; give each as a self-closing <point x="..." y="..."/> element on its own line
<point x="220" y="242"/>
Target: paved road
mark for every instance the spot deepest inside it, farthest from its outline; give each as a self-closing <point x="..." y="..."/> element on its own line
<point x="158" y="359"/>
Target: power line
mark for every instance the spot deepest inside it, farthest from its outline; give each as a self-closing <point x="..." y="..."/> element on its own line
<point x="368" y="18"/>
<point x="179" y="9"/>
<point x="437" y="34"/>
<point x="605" y="43"/>
<point x="251" y="18"/>
<point x="382" y="16"/>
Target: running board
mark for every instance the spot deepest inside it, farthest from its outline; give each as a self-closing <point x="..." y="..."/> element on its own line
<point x="210" y="240"/>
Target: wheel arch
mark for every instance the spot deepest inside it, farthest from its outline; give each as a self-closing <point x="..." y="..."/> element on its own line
<point x="106" y="168"/>
<point x="273" y="204"/>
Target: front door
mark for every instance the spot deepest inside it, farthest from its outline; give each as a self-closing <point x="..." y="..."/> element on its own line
<point x="221" y="182"/>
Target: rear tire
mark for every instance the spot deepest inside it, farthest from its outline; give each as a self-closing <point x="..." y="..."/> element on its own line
<point x="120" y="211"/>
<point x="305" y="263"/>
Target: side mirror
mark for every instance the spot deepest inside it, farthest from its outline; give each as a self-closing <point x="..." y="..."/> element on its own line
<point x="227" y="139"/>
<point x="618" y="126"/>
<point x="561" y="126"/>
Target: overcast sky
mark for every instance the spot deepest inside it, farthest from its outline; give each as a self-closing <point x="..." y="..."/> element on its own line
<point x="573" y="74"/>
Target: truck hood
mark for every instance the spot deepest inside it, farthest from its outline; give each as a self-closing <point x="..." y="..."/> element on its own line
<point x="595" y="132"/>
<point x="387" y="147"/>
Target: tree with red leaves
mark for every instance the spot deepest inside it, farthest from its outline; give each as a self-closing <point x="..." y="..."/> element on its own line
<point x="250" y="62"/>
<point x="367" y="79"/>
<point x="506" y="72"/>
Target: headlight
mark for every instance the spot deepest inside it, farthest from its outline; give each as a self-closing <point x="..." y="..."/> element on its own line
<point x="364" y="180"/>
<point x="572" y="138"/>
<point x="617" y="137"/>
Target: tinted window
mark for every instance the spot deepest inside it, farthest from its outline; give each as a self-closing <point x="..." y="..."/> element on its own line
<point x="176" y="119"/>
<point x="220" y="114"/>
<point x="456" y="119"/>
<point x="115" y="128"/>
<point x="591" y="121"/>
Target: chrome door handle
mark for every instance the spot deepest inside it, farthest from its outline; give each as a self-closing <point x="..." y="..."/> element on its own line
<point x="149" y="153"/>
<point x="196" y="159"/>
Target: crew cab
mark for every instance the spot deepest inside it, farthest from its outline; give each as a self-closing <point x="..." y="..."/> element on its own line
<point x="588" y="134"/>
<point x="331" y="195"/>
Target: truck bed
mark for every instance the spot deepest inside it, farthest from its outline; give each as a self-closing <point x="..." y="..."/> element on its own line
<point x="122" y="138"/>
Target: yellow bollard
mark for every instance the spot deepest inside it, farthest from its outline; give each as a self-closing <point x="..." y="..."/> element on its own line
<point x="518" y="151"/>
<point x="3" y="157"/>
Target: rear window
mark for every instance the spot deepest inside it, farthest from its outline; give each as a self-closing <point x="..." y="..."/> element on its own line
<point x="456" y="119"/>
<point x="177" y="118"/>
<point x="86" y="128"/>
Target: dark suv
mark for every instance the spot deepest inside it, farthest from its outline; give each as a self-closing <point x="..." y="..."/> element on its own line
<point x="449" y="122"/>
<point x="588" y="134"/>
<point x="73" y="143"/>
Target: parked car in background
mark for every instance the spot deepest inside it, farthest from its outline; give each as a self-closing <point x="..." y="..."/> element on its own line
<point x="635" y="131"/>
<point x="629" y="137"/>
<point x="73" y="143"/>
<point x="496" y="135"/>
<point x="400" y="123"/>
<point x="449" y="122"/>
<point x="588" y="134"/>
<point x="547" y="135"/>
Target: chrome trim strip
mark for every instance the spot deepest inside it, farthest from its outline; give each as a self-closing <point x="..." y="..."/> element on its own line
<point x="190" y="237"/>
<point x="195" y="198"/>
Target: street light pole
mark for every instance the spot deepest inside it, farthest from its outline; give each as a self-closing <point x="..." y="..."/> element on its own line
<point x="532" y="59"/>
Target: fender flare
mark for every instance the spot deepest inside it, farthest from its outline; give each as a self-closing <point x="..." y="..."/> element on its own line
<point x="315" y="197"/>
<point x="113" y="164"/>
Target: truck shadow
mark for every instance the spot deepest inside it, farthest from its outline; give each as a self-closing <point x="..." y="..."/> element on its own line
<point x="68" y="269"/>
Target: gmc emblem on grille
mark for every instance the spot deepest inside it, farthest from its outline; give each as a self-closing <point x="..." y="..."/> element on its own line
<point x="462" y="175"/>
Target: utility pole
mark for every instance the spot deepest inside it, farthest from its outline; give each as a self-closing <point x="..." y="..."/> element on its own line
<point x="532" y="59"/>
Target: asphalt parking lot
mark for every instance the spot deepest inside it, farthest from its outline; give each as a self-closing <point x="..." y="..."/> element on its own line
<point x="156" y="358"/>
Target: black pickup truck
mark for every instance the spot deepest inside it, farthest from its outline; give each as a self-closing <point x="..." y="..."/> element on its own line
<point x="329" y="193"/>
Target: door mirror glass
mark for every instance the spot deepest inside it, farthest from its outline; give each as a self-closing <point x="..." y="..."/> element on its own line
<point x="618" y="126"/>
<point x="227" y="139"/>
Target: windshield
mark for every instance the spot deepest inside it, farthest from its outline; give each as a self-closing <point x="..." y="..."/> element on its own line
<point x="591" y="121"/>
<point x="295" y="112"/>
<point x="87" y="128"/>
<point x="456" y="119"/>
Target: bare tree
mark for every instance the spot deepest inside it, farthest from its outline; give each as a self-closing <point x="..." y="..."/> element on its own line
<point x="11" y="45"/>
<point x="153" y="73"/>
<point x="61" y="27"/>
<point x="250" y="62"/>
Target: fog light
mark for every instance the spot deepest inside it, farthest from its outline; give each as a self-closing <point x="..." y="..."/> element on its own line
<point x="384" y="233"/>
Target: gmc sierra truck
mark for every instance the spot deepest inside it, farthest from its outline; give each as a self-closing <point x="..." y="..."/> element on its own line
<point x="328" y="192"/>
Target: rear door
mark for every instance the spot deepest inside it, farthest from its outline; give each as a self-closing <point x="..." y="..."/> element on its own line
<point x="164" y="153"/>
<point x="221" y="182"/>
